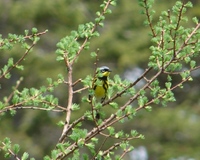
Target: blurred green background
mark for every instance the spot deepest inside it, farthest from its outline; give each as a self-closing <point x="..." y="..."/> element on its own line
<point x="171" y="132"/>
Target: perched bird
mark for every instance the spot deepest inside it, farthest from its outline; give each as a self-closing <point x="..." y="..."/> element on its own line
<point x="100" y="84"/>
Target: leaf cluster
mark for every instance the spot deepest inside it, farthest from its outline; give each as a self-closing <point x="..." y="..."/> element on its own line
<point x="174" y="50"/>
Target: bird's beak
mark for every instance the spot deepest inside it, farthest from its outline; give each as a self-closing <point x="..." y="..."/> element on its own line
<point x="107" y="73"/>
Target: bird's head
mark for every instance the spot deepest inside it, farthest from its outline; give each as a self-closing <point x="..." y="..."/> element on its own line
<point x="104" y="71"/>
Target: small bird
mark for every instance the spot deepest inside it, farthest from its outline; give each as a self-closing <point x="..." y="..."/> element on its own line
<point x="100" y="85"/>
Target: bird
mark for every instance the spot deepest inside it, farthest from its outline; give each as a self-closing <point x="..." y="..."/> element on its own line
<point x="100" y="85"/>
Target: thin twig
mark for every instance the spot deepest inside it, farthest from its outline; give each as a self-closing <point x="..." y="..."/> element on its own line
<point x="12" y="93"/>
<point x="125" y="89"/>
<point x="69" y="103"/>
<point x="149" y="19"/>
<point x="125" y="152"/>
<point x="26" y="37"/>
<point x="101" y="146"/>
<point x="79" y="90"/>
<point x="79" y="80"/>
<point x="15" y="65"/>
<point x="11" y="152"/>
<point x="188" y="38"/>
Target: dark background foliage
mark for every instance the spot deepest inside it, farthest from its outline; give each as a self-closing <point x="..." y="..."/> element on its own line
<point x="170" y="132"/>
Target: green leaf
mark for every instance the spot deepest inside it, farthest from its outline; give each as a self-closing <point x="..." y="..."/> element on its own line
<point x="192" y="64"/>
<point x="16" y="148"/>
<point x="164" y="13"/>
<point x="87" y="46"/>
<point x="26" y="32"/>
<point x="108" y="11"/>
<point x="48" y="158"/>
<point x="7" y="142"/>
<point x="61" y="147"/>
<point x="113" y="3"/>
<point x="50" y="81"/>
<point x="7" y="155"/>
<point x="10" y="62"/>
<point x="78" y="134"/>
<point x="7" y="76"/>
<point x="94" y="139"/>
<point x="187" y="59"/>
<point x="111" y="130"/>
<point x="123" y="145"/>
<point x="195" y="20"/>
<point x="102" y="5"/>
<point x="25" y="156"/>
<point x="189" y="4"/>
<point x="98" y="106"/>
<point x="156" y="101"/>
<point x="90" y="145"/>
<point x="142" y="100"/>
<point x="54" y="154"/>
<point x="185" y="74"/>
<point x="59" y="58"/>
<point x="119" y="134"/>
<point x="119" y="113"/>
<point x="12" y="112"/>
<point x="93" y="54"/>
<point x="169" y="78"/>
<point x="113" y="105"/>
<point x="25" y="46"/>
<point x="85" y="157"/>
<point x="96" y="34"/>
<point x="36" y="39"/>
<point x="61" y="123"/>
<point x="2" y="105"/>
<point x="134" y="133"/>
<point x="98" y="13"/>
<point x="101" y="24"/>
<point x="141" y="136"/>
<point x="20" y="67"/>
<point x="34" y="30"/>
<point x="168" y="85"/>
<point x="75" y="107"/>
<point x="129" y="109"/>
<point x="5" y="69"/>
<point x="148" y="108"/>
<point x="61" y="46"/>
<point x="190" y="79"/>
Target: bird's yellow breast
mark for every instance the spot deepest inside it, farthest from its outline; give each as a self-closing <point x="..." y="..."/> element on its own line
<point x="99" y="92"/>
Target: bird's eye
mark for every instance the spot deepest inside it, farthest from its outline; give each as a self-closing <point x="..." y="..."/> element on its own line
<point x="104" y="70"/>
